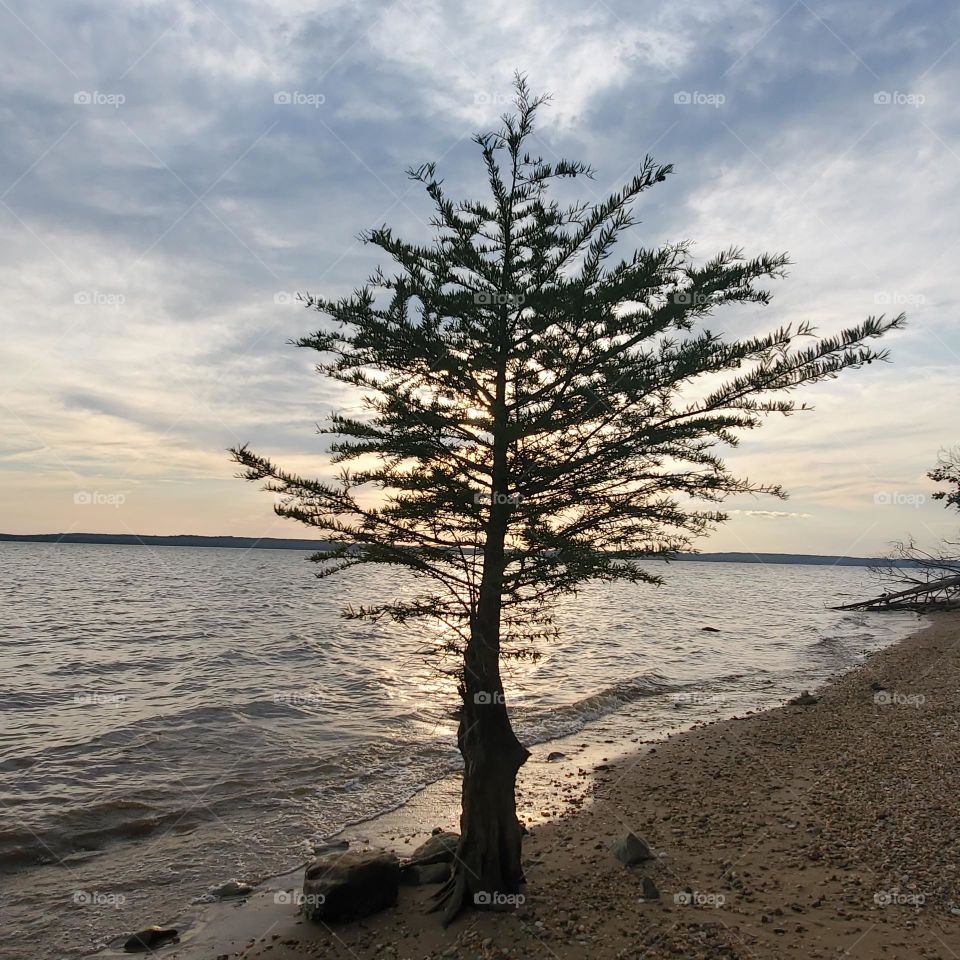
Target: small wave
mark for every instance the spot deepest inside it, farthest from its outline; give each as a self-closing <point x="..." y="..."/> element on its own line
<point x="102" y="666"/>
<point x="88" y="829"/>
<point x="834" y="642"/>
<point x="562" y="721"/>
<point x="828" y="642"/>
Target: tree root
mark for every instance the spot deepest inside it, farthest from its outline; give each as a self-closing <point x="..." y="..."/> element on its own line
<point x="451" y="898"/>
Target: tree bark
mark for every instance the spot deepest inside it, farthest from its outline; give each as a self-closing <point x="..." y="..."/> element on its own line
<point x="487" y="872"/>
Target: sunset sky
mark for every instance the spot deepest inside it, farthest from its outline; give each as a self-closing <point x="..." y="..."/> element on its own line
<point x="173" y="173"/>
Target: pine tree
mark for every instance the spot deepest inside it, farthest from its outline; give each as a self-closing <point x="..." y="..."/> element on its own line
<point x="539" y="416"/>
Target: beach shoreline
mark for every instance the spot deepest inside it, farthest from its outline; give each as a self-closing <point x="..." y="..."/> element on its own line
<point x="801" y="831"/>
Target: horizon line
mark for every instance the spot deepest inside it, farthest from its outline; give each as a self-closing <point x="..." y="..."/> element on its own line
<point x="307" y="543"/>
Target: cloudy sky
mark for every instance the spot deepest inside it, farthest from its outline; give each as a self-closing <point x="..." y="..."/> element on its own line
<point x="159" y="208"/>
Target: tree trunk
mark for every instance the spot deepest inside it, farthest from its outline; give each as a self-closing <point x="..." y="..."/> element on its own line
<point x="487" y="871"/>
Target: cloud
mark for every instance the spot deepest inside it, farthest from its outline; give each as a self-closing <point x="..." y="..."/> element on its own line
<point x="149" y="242"/>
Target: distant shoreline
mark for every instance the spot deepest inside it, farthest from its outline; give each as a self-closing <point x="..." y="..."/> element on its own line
<point x="279" y="543"/>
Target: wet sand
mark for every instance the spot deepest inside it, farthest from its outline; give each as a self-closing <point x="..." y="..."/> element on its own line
<point x="828" y="830"/>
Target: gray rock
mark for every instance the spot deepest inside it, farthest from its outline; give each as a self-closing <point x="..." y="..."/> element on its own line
<point x="348" y="886"/>
<point x="710" y="629"/>
<point x="806" y="699"/>
<point x="232" y="888"/>
<point x="631" y="850"/>
<point x="650" y="891"/>
<point x="440" y="848"/>
<point x="149" y="939"/>
<point x="555" y="755"/>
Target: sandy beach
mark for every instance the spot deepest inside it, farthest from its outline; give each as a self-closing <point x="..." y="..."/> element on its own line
<point x="821" y="831"/>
